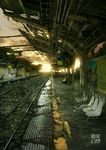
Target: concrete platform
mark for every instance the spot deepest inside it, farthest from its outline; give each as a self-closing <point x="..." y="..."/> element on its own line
<point x="86" y="135"/>
<point x="39" y="133"/>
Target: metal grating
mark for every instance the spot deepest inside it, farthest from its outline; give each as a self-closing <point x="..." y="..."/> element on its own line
<point x="39" y="134"/>
<point x="31" y="146"/>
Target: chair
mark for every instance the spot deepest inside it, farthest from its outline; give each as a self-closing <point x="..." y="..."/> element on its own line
<point x="93" y="106"/>
<point x="64" y="80"/>
<point x="83" y="98"/>
<point x="89" y="104"/>
<point x="97" y="112"/>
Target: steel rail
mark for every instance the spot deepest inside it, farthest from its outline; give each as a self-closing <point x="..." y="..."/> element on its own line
<point x="14" y="132"/>
<point x="14" y="109"/>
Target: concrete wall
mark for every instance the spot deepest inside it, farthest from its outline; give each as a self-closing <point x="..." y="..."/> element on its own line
<point x="7" y="73"/>
<point x="101" y="74"/>
<point x="21" y="72"/>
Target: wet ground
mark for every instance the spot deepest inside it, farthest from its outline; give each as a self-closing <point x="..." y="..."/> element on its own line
<point x="16" y="99"/>
<point x="39" y="133"/>
<point x="86" y="134"/>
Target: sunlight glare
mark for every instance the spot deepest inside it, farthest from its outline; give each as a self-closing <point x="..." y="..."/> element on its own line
<point x="77" y="63"/>
<point x="46" y="68"/>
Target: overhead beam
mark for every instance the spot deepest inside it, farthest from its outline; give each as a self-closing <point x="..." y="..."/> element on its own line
<point x="36" y="43"/>
<point x="17" y="51"/>
<point x="10" y="36"/>
<point x="72" y="47"/>
<point x="29" y="22"/>
<point x="16" y="45"/>
<point x="23" y="8"/>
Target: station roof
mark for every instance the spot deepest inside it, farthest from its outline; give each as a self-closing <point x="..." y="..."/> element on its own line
<point x="59" y="29"/>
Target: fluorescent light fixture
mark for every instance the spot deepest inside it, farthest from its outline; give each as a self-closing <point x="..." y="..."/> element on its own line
<point x="34" y="17"/>
<point x="40" y="33"/>
<point x="8" y="11"/>
<point x="8" y="53"/>
<point x="47" y="35"/>
<point x="60" y="41"/>
<point x="23" y="15"/>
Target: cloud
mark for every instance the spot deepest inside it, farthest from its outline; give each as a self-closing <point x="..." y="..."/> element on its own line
<point x="8" y="26"/>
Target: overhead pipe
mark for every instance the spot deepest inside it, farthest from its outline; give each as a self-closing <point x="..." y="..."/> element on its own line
<point x="64" y="11"/>
<point x="58" y="1"/>
<point x="60" y="16"/>
<point x="57" y="19"/>
<point x="22" y="20"/>
<point x="59" y="12"/>
<point x="9" y="5"/>
<point x="71" y="47"/>
<point x="78" y="7"/>
<point x="71" y="3"/>
<point x="22" y="6"/>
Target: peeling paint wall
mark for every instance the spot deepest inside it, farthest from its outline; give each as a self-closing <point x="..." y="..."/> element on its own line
<point x="7" y="73"/>
<point x="101" y="74"/>
<point x="21" y="72"/>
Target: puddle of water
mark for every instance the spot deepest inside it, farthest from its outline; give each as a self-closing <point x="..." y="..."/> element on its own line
<point x="44" y="98"/>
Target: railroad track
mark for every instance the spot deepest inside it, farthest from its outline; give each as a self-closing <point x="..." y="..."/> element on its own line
<point x="19" y="115"/>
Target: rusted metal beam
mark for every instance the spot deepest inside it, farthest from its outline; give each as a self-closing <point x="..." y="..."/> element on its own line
<point x="26" y="21"/>
<point x="23" y="8"/>
<point x="10" y="36"/>
<point x="17" y="45"/>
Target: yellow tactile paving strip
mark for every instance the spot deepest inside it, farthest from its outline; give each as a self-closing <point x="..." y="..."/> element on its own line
<point x="60" y="142"/>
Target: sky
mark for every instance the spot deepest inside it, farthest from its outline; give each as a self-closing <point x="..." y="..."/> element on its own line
<point x="9" y="27"/>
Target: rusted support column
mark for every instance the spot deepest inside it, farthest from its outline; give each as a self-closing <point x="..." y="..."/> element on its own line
<point x="83" y="71"/>
<point x="68" y="75"/>
<point x="72" y="73"/>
